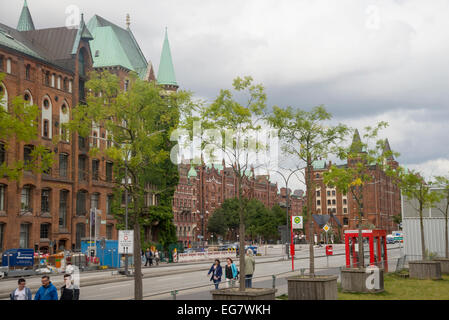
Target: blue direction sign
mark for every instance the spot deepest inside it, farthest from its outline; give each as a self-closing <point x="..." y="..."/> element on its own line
<point x="18" y="258"/>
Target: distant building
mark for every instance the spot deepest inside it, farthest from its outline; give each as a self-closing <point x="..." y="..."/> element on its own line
<point x="381" y="199"/>
<point x="202" y="189"/>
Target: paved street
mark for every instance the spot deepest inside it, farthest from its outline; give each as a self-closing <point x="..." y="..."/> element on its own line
<point x="160" y="281"/>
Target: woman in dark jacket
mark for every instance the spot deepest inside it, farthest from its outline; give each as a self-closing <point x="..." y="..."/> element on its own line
<point x="69" y="291"/>
<point x="216" y="272"/>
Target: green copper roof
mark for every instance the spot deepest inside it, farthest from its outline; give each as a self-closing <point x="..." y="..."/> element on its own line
<point x="166" y="72"/>
<point x="25" y="20"/>
<point x="192" y="172"/>
<point x="115" y="46"/>
<point x="9" y="41"/>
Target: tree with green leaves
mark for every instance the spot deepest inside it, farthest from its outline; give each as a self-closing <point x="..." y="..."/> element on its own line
<point x="353" y="178"/>
<point x="19" y="123"/>
<point x="443" y="183"/>
<point x="420" y="196"/>
<point x="231" y="125"/>
<point x="308" y="136"/>
<point x="139" y="123"/>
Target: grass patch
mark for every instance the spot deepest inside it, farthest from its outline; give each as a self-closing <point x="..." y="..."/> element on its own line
<point x="400" y="288"/>
<point x="282" y="297"/>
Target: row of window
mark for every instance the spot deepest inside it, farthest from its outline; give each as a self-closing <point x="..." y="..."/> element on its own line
<point x="45" y="234"/>
<point x="49" y="79"/>
<point x="180" y="231"/>
<point x="64" y="164"/>
<point x="27" y="202"/>
<point x="52" y="80"/>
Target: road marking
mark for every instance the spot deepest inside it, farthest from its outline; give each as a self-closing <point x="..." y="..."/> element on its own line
<point x="117" y="286"/>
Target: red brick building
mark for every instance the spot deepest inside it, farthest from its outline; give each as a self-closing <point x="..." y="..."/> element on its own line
<point x="381" y="199"/>
<point x="49" y="68"/>
<point x="203" y="189"/>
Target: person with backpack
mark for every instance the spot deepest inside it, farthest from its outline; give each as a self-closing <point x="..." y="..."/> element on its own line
<point x="47" y="291"/>
<point x="22" y="292"/>
<point x="231" y="273"/>
<point x="69" y="291"/>
<point x="216" y="272"/>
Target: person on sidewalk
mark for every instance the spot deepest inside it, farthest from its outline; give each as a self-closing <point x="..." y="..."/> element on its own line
<point x="156" y="257"/>
<point x="147" y="257"/>
<point x="250" y="266"/>
<point x="151" y="257"/>
<point x="69" y="291"/>
<point x="22" y="292"/>
<point x="47" y="291"/>
<point x="230" y="273"/>
<point x="216" y="272"/>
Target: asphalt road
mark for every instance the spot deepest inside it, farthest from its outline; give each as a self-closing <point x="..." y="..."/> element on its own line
<point x="192" y="282"/>
<point x="160" y="288"/>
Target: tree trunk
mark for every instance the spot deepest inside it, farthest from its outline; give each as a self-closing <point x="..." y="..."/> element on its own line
<point x="309" y="186"/>
<point x="242" y="239"/>
<point x="137" y="262"/>
<point x="361" y="253"/>
<point x="421" y="225"/>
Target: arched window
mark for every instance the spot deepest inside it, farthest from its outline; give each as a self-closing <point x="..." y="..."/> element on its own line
<point x="8" y="65"/>
<point x="81" y="201"/>
<point x="28" y="72"/>
<point x="45" y="231"/>
<point x="63" y="204"/>
<point x="2" y="198"/>
<point x="3" y="97"/>
<point x="28" y="97"/>
<point x="26" y="199"/>
<point x="47" y="117"/>
<point x="65" y="84"/>
<point x="81" y="63"/>
<point x="64" y="117"/>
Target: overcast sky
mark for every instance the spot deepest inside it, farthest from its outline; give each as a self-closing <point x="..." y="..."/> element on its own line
<point x="365" y="60"/>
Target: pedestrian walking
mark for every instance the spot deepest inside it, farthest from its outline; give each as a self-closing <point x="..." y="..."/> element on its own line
<point x="151" y="257"/>
<point x="69" y="291"/>
<point x="156" y="257"/>
<point x="216" y="272"/>
<point x="230" y="273"/>
<point x="22" y="292"/>
<point x="250" y="266"/>
<point x="47" y="291"/>
<point x="147" y="257"/>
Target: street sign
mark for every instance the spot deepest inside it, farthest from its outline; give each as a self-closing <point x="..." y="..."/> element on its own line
<point x="326" y="228"/>
<point x="126" y="241"/>
<point x="297" y="222"/>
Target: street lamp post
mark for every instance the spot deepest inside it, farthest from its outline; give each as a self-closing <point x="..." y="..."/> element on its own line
<point x="286" y="180"/>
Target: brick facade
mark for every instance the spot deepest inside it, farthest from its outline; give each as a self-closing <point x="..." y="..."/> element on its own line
<point x="205" y="192"/>
<point x="381" y="201"/>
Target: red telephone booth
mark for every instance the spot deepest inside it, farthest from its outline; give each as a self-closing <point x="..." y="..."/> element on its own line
<point x="374" y="248"/>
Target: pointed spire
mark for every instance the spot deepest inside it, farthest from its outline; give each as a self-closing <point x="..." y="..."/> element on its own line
<point x="387" y="149"/>
<point x="25" y="20"/>
<point x="166" y="73"/>
<point x="356" y="145"/>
